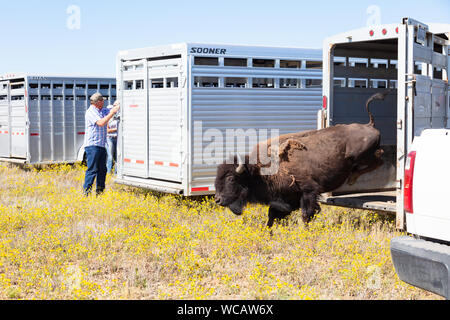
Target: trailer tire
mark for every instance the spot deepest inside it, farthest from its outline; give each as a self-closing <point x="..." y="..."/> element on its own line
<point x="84" y="161"/>
<point x="81" y="157"/>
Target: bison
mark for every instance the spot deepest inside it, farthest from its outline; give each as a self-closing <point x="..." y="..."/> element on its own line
<point x="310" y="163"/>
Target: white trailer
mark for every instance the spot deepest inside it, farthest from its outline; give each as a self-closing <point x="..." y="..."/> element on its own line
<point x="179" y="99"/>
<point x="42" y="116"/>
<point x="410" y="58"/>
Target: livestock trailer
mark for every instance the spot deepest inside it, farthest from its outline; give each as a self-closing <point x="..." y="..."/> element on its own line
<point x="181" y="101"/>
<point x="42" y="116"/>
<point x="411" y="59"/>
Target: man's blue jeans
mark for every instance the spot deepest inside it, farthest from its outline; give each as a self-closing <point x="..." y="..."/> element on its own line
<point x="111" y="148"/>
<point x="96" y="163"/>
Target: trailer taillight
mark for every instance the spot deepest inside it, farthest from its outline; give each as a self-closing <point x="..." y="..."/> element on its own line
<point x="372" y="33"/>
<point x="325" y="102"/>
<point x="409" y="177"/>
<point x="384" y="32"/>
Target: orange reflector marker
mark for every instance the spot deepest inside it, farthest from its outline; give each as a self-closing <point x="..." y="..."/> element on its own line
<point x="134" y="161"/>
<point x="325" y="102"/>
<point x="200" y="189"/>
<point x="165" y="164"/>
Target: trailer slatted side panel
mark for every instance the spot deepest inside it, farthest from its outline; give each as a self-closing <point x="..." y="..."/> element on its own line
<point x="439" y="105"/>
<point x="69" y="126"/>
<point x="57" y="110"/>
<point x="81" y="104"/>
<point x="35" y="129"/>
<point x="46" y="133"/>
<point x="349" y="107"/>
<point x="58" y="128"/>
<point x="253" y="99"/>
<point x="289" y="110"/>
<point x="46" y="114"/>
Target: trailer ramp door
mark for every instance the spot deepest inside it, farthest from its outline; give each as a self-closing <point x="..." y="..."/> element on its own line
<point x="135" y="118"/>
<point x="5" y="131"/>
<point x="423" y="92"/>
<point x="165" y="119"/>
<point x="426" y="80"/>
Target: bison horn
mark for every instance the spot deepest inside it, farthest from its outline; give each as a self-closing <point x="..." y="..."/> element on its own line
<point x="240" y="169"/>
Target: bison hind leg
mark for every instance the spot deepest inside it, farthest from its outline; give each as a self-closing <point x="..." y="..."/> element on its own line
<point x="373" y="164"/>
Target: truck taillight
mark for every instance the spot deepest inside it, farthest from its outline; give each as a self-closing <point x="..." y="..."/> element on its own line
<point x="325" y="102"/>
<point x="409" y="177"/>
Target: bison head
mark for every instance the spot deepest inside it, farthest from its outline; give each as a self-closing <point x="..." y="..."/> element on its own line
<point x="232" y="185"/>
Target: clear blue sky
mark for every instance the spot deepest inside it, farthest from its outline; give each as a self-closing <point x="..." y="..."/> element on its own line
<point x="35" y="37"/>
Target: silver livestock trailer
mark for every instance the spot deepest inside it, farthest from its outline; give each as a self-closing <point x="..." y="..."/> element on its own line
<point x="42" y="116"/>
<point x="180" y="102"/>
<point x="412" y="60"/>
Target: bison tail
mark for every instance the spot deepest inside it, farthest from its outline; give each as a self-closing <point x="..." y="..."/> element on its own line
<point x="377" y="96"/>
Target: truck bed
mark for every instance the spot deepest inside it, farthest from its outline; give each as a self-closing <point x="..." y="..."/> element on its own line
<point x="377" y="201"/>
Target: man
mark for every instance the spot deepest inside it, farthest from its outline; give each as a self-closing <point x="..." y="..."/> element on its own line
<point x="96" y="120"/>
<point x="112" y="142"/>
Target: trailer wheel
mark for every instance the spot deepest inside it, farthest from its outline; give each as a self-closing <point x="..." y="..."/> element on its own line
<point x="84" y="161"/>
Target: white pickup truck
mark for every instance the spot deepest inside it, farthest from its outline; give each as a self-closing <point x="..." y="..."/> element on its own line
<point x="423" y="260"/>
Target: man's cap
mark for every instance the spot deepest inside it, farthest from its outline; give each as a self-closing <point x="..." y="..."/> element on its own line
<point x="96" y="97"/>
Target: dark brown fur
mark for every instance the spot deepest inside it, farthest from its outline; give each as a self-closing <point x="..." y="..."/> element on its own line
<point x="311" y="163"/>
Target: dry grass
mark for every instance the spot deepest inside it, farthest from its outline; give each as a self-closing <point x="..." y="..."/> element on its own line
<point x="133" y="244"/>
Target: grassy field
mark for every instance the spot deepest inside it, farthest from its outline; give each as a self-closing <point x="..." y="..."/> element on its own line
<point x="133" y="244"/>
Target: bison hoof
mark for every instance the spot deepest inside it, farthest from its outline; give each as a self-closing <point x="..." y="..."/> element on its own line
<point x="306" y="219"/>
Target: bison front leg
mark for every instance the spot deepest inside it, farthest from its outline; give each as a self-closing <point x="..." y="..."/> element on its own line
<point x="278" y="211"/>
<point x="309" y="206"/>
